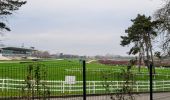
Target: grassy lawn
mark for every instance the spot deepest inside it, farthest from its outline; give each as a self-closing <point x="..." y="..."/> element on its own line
<point x="58" y="69"/>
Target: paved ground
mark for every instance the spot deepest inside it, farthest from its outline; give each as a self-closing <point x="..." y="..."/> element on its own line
<point x="157" y="96"/>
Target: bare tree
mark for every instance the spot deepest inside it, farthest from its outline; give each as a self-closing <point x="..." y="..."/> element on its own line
<point x="41" y="54"/>
<point x="7" y="7"/>
<point x="163" y="16"/>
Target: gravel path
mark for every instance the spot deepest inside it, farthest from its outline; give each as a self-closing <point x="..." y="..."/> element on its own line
<point x="157" y="96"/>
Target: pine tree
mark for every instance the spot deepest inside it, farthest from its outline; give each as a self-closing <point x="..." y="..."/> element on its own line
<point x="141" y="34"/>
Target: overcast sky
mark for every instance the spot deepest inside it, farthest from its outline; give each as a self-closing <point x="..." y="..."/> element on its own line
<point x="84" y="27"/>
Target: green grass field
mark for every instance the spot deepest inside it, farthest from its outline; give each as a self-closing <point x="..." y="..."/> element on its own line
<point x="58" y="69"/>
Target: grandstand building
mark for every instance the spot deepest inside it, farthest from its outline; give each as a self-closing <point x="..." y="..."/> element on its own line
<point x="16" y="52"/>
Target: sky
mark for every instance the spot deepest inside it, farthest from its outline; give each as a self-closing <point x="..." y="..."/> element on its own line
<point x="83" y="27"/>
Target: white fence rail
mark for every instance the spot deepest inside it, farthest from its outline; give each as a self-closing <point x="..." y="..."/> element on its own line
<point x="92" y="86"/>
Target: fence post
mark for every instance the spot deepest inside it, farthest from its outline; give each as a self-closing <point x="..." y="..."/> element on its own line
<point x="63" y="87"/>
<point x="137" y="86"/>
<point x="163" y="85"/>
<point x="148" y="85"/>
<point x="84" y="80"/>
<point x="117" y="85"/>
<point x="3" y="84"/>
<point x="69" y="88"/>
<point x="94" y="87"/>
<point x="6" y="84"/>
<point x="151" y="83"/>
<point x="154" y="86"/>
<point x="89" y="87"/>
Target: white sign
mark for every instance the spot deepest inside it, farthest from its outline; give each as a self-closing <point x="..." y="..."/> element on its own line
<point x="70" y="79"/>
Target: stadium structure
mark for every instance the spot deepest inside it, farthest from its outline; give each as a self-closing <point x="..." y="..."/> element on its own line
<point x="8" y="53"/>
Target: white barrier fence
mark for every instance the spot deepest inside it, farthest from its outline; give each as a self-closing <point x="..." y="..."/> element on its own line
<point x="92" y="86"/>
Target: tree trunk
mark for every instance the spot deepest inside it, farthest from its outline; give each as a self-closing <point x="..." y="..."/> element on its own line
<point x="150" y="47"/>
<point x="147" y="56"/>
<point x="143" y="54"/>
<point x="140" y="59"/>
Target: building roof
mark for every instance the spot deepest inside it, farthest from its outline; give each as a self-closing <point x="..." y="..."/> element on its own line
<point x="17" y="48"/>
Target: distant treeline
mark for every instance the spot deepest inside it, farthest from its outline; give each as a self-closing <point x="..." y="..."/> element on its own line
<point x="126" y="62"/>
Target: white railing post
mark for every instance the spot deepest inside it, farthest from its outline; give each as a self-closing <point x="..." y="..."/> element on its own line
<point x="89" y="87"/>
<point x="63" y="86"/>
<point x="148" y="86"/>
<point x="117" y="84"/>
<point x="163" y="85"/>
<point x="69" y="88"/>
<point x="3" y="84"/>
<point x="137" y="87"/>
<point x="6" y="84"/>
<point x="154" y="86"/>
<point x="94" y="87"/>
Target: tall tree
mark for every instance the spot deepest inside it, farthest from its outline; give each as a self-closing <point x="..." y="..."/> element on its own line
<point x="163" y="16"/>
<point x="140" y="34"/>
<point x="7" y="7"/>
